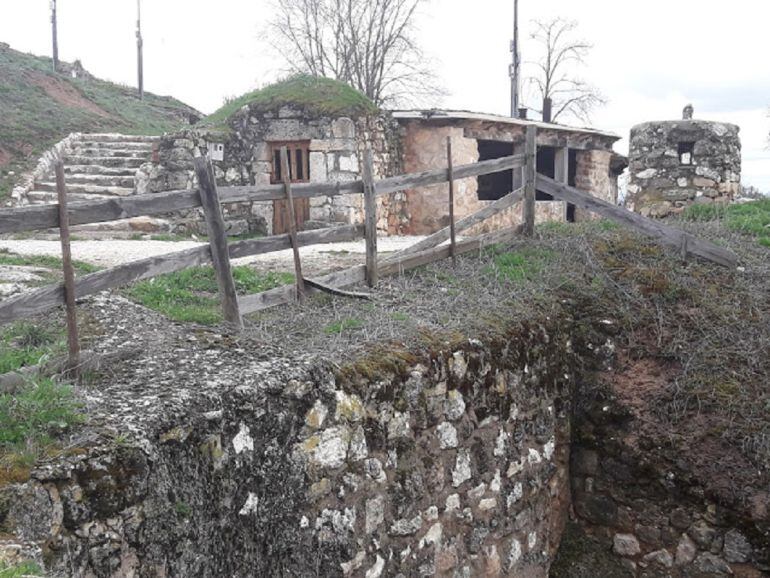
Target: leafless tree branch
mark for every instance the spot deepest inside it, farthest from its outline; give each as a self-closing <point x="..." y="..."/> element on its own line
<point x="369" y="44"/>
<point x="554" y="71"/>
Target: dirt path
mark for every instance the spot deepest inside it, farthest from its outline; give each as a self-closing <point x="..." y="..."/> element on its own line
<point x="110" y="253"/>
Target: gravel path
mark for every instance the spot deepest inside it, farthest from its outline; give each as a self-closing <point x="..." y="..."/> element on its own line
<point x="109" y="253"/>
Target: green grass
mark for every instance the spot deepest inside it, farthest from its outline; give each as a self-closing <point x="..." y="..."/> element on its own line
<point x="30" y="421"/>
<point x="343" y="325"/>
<point x="192" y="295"/>
<point x="39" y="108"/>
<point x="19" y="570"/>
<point x="747" y="218"/>
<point x="43" y="261"/>
<point x="518" y="266"/>
<point x="25" y="344"/>
<point x="316" y="96"/>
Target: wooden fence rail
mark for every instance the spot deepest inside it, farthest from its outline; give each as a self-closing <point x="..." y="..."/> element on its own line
<point x="47" y="298"/>
<point x="667" y="235"/>
<point x="103" y="210"/>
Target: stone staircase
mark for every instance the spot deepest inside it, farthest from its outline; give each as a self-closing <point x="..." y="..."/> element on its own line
<point x="97" y="166"/>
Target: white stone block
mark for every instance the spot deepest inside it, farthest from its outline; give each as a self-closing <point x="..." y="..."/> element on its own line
<point x="318" y="167"/>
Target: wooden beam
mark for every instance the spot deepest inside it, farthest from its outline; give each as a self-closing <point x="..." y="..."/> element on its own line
<point x="42" y="300"/>
<point x="103" y="210"/>
<point x="220" y="257"/>
<point x="545" y="138"/>
<point x="561" y="171"/>
<point x="370" y="218"/>
<point x="73" y="339"/>
<point x="663" y="233"/>
<point x="315" y="284"/>
<point x="451" y="176"/>
<point x="439" y="237"/>
<point x="292" y="223"/>
<point x="357" y="274"/>
<point x="530" y="175"/>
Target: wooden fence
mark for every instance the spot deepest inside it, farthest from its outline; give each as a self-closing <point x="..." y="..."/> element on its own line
<point x="219" y="252"/>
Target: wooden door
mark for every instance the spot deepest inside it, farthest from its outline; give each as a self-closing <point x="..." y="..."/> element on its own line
<point x="299" y="168"/>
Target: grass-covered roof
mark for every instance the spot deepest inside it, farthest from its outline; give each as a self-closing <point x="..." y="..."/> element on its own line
<point x="316" y="96"/>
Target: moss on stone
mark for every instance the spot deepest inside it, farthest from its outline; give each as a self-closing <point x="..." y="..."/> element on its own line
<point x="313" y="95"/>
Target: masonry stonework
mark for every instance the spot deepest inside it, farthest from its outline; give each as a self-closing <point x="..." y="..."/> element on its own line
<point x="675" y="164"/>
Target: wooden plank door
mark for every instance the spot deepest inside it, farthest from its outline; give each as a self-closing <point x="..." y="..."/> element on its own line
<point x="299" y="167"/>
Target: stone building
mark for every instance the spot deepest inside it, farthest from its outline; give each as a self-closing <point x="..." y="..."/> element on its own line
<point x="328" y="147"/>
<point x="674" y="164"/>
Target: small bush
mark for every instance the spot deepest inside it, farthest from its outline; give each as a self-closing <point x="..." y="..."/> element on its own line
<point x="343" y="325"/>
<point x="20" y="570"/>
<point x="192" y="295"/>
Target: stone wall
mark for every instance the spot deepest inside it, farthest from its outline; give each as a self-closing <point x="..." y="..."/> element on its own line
<point x="336" y="147"/>
<point x="450" y="462"/>
<point x="594" y="176"/>
<point x="660" y="184"/>
<point x="651" y="514"/>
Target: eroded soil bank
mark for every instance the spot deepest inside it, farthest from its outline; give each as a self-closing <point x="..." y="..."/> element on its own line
<point x="450" y="428"/>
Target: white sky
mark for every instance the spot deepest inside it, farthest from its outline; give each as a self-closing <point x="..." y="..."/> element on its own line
<point x="651" y="57"/>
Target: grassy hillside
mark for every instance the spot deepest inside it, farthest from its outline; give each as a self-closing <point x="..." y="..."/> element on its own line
<point x="38" y="108"/>
<point x="316" y="96"/>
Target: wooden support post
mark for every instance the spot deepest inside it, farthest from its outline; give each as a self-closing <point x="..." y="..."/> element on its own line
<point x="220" y="255"/>
<point x="452" y="231"/>
<point x="561" y="171"/>
<point x="73" y="340"/>
<point x="530" y="175"/>
<point x="292" y="222"/>
<point x="370" y="223"/>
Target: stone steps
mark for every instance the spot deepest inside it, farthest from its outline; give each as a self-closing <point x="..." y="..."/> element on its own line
<point x="134" y="146"/>
<point x="101" y="152"/>
<point x="106" y="161"/>
<point x="124" y="181"/>
<point x="49" y="198"/>
<point x="88" y="189"/>
<point x="97" y="137"/>
<point x="99" y="170"/>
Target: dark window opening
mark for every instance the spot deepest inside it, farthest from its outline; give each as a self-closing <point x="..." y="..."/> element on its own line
<point x="299" y="168"/>
<point x="571" y="180"/>
<point x="546" y="166"/>
<point x="686" y="150"/>
<point x="497" y="185"/>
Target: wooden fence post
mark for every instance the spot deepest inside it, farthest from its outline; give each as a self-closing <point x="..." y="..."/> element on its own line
<point x="292" y="219"/>
<point x="220" y="255"/>
<point x="370" y="216"/>
<point x="530" y="176"/>
<point x="451" y="175"/>
<point x="73" y="340"/>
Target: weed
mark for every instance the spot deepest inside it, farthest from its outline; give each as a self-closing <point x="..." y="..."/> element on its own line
<point x="25" y="344"/>
<point x="30" y="420"/>
<point x="20" y="570"/>
<point x="397" y="316"/>
<point x="44" y="261"/>
<point x="339" y="327"/>
<point x="518" y="266"/>
<point x="183" y="509"/>
<point x="191" y="295"/>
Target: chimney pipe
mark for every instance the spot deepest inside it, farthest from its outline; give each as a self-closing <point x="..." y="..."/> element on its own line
<point x="523" y="113"/>
<point x="547" y="109"/>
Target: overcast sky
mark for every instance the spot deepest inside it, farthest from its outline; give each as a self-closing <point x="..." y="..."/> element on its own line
<point x="651" y="57"/>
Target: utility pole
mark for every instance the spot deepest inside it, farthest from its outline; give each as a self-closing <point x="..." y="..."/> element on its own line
<point x="139" y="48"/>
<point x="55" y="35"/>
<point x="515" y="66"/>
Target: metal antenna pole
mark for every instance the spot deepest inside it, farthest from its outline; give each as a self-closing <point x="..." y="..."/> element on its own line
<point x="55" y="35"/>
<point x="139" y="48"/>
<point x="515" y="72"/>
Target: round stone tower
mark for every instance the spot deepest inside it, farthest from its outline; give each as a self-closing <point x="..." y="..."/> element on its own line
<point x="674" y="164"/>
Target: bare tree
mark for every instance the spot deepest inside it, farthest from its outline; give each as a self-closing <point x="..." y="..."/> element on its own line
<point x="555" y="72"/>
<point x="368" y="44"/>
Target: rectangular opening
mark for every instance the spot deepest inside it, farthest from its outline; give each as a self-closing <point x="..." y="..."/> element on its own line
<point x="497" y="185"/>
<point x="546" y="166"/>
<point x="299" y="161"/>
<point x="686" y="150"/>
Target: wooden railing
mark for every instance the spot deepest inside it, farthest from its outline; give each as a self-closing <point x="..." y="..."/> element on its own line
<point x="220" y="252"/>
